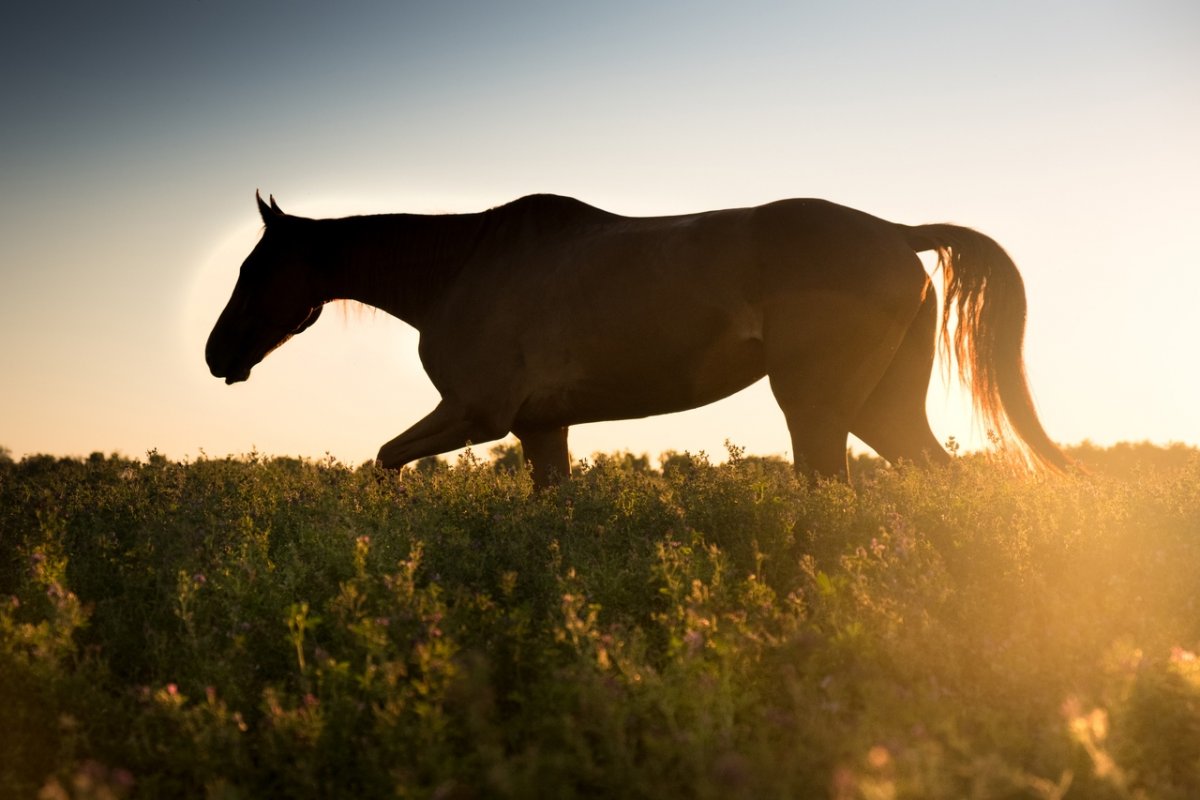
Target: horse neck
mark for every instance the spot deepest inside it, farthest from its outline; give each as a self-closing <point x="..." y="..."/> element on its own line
<point x="401" y="263"/>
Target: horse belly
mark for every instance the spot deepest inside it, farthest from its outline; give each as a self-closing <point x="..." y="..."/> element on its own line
<point x="648" y="317"/>
<point x="642" y="372"/>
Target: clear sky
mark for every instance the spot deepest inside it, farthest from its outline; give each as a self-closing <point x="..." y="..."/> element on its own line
<point x="133" y="136"/>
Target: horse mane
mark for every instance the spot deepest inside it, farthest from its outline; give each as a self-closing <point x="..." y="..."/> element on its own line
<point x="427" y="249"/>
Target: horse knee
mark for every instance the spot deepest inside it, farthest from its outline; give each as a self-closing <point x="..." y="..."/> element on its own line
<point x="447" y="427"/>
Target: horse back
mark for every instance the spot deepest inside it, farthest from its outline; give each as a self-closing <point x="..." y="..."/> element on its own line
<point x="549" y="261"/>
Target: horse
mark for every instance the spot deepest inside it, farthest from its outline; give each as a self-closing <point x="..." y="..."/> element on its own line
<point x="547" y="312"/>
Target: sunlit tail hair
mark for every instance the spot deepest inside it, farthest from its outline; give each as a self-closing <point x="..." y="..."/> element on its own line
<point x="985" y="305"/>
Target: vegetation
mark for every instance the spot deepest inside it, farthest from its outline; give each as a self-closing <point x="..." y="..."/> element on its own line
<point x="277" y="628"/>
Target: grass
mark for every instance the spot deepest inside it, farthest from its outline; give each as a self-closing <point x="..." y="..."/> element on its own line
<point x="255" y="627"/>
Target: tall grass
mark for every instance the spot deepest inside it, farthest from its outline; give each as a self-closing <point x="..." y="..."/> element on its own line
<point x="275" y="628"/>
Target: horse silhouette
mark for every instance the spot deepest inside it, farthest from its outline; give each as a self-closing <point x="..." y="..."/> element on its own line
<point x="547" y="312"/>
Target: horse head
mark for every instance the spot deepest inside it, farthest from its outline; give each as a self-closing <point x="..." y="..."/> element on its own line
<point x="277" y="296"/>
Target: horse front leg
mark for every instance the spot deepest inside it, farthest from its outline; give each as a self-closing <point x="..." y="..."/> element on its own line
<point x="545" y="450"/>
<point x="448" y="427"/>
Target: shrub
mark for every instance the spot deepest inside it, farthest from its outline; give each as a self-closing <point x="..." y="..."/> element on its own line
<point x="274" y="627"/>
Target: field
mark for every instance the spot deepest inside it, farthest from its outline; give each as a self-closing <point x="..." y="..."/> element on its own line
<point x="254" y="628"/>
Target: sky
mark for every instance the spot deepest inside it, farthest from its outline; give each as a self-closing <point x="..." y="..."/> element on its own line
<point x="133" y="136"/>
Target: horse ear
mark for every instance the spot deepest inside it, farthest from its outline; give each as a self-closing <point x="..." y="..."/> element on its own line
<point x="269" y="213"/>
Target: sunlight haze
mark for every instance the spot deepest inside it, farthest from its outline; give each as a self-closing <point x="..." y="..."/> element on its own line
<point x="136" y="135"/>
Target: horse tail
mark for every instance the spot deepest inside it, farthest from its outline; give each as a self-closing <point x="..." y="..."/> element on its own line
<point x="987" y="296"/>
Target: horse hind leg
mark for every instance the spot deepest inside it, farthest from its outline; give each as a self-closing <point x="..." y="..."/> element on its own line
<point x="824" y="356"/>
<point x="893" y="420"/>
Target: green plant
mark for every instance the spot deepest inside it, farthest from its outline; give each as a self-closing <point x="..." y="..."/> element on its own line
<point x="273" y="627"/>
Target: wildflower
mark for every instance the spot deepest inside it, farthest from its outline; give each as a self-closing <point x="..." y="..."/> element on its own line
<point x="1181" y="656"/>
<point x="1098" y="724"/>
<point x="878" y="757"/>
<point x="122" y="779"/>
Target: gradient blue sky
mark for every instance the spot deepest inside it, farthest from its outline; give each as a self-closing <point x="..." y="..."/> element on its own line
<point x="135" y="134"/>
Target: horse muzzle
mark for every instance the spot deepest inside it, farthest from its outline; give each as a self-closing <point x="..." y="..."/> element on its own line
<point x="230" y="371"/>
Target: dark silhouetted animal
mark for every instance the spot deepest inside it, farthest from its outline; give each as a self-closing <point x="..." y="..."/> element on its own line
<point x="547" y="312"/>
